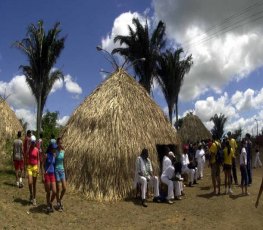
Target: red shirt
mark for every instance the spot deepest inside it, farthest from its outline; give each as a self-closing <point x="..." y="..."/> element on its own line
<point x="33" y="156"/>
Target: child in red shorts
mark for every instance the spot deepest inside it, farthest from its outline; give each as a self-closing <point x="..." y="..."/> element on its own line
<point x="49" y="176"/>
<point x="18" y="159"/>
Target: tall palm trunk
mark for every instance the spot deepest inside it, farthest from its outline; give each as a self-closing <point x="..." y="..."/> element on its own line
<point x="176" y="114"/>
<point x="170" y="111"/>
<point x="39" y="114"/>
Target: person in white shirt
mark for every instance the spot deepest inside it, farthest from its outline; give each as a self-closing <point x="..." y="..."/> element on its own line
<point x="243" y="168"/>
<point x="144" y="174"/>
<point x="200" y="158"/>
<point x="257" y="161"/>
<point x="168" y="155"/>
<point x="185" y="170"/>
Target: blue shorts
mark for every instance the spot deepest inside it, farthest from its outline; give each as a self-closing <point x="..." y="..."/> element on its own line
<point x="60" y="175"/>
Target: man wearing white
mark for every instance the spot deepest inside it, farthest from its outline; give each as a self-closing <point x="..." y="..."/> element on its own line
<point x="257" y="161"/>
<point x="185" y="162"/>
<point x="144" y="174"/>
<point x="200" y="158"/>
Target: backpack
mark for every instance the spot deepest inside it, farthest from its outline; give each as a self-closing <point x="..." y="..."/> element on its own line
<point x="219" y="155"/>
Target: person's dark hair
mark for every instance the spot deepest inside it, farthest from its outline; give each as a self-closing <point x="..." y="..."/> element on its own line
<point x="52" y="136"/>
<point x="166" y="150"/>
<point x="19" y="134"/>
<point x="41" y="135"/>
<point x="248" y="135"/>
<point x="214" y="137"/>
<point x="144" y="153"/>
<point x="256" y="150"/>
<point x="28" y="132"/>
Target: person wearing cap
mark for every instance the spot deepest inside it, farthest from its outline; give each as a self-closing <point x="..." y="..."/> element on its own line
<point x="170" y="178"/>
<point x="33" y="169"/>
<point x="48" y="172"/>
<point x="144" y="174"/>
<point x="233" y="145"/>
<point x="185" y="169"/>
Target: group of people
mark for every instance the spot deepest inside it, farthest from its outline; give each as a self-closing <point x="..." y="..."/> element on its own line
<point x="30" y="160"/>
<point x="177" y="168"/>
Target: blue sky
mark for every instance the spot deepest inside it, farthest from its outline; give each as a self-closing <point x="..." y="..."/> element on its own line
<point x="226" y="76"/>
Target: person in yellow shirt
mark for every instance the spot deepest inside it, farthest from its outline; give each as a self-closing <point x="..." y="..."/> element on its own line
<point x="215" y="167"/>
<point x="234" y="146"/>
<point x="228" y="156"/>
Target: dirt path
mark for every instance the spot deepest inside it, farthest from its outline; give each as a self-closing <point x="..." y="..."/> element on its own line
<point x="198" y="210"/>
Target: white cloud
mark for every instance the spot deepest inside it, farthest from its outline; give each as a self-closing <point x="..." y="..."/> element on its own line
<point x="57" y="85"/>
<point x="62" y="121"/>
<point x="71" y="86"/>
<point x="18" y="91"/>
<point x="223" y="58"/>
<point x="27" y="116"/>
<point x="120" y="27"/>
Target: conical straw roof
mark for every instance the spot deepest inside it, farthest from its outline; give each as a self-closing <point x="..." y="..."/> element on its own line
<point x="9" y="124"/>
<point x="107" y="132"/>
<point x="193" y="129"/>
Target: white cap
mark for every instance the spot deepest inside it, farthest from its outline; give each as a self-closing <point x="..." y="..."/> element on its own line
<point x="33" y="138"/>
<point x="171" y="154"/>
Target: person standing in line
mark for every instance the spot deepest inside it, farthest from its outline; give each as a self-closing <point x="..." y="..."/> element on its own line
<point x="200" y="158"/>
<point x="215" y="167"/>
<point x="257" y="161"/>
<point x="249" y="158"/>
<point x="144" y="174"/>
<point x="234" y="146"/>
<point x="259" y="193"/>
<point x="33" y="170"/>
<point x="228" y="156"/>
<point x="48" y="172"/>
<point x="243" y="168"/>
<point x="18" y="159"/>
<point x="60" y="175"/>
<point x="26" y="147"/>
<point x="185" y="163"/>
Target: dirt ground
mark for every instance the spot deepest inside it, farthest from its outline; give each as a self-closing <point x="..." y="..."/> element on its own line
<point x="199" y="209"/>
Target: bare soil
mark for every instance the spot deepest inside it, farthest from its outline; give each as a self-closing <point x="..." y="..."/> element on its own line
<point x="199" y="209"/>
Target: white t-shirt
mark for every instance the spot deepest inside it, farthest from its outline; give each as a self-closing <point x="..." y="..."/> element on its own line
<point x="169" y="172"/>
<point x="166" y="162"/>
<point x="200" y="155"/>
<point x="185" y="160"/>
<point x="243" y="157"/>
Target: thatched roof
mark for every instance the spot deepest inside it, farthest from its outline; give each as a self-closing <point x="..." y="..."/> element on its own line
<point x="107" y="132"/>
<point x="9" y="124"/>
<point x="193" y="129"/>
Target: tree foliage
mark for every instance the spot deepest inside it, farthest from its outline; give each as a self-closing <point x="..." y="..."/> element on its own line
<point x="171" y="70"/>
<point x="140" y="44"/>
<point x="219" y="124"/>
<point x="42" y="50"/>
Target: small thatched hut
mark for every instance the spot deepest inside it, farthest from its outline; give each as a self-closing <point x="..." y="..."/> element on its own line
<point x="193" y="129"/>
<point x="9" y="124"/>
<point x="107" y="132"/>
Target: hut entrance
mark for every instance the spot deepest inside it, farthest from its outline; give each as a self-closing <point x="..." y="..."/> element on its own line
<point x="160" y="152"/>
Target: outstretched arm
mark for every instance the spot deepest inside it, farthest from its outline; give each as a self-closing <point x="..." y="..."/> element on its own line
<point x="259" y="193"/>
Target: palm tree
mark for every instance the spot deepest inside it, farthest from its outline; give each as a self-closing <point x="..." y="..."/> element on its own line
<point x="138" y="45"/>
<point x="171" y="71"/>
<point x="42" y="50"/>
<point x="219" y="124"/>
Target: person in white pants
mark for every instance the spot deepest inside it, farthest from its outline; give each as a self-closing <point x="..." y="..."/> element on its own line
<point x="257" y="161"/>
<point x="200" y="158"/>
<point x="144" y="175"/>
<point x="185" y="162"/>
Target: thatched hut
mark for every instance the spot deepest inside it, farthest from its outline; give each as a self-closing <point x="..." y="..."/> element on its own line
<point x="193" y="129"/>
<point x="9" y="124"/>
<point x="107" y="132"/>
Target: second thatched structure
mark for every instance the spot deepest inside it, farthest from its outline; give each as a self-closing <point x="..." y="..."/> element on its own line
<point x="9" y="124"/>
<point x="193" y="130"/>
<point x="107" y="132"/>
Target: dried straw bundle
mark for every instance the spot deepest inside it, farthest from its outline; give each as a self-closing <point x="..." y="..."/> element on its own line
<point x="107" y="132"/>
<point x="193" y="129"/>
<point x="9" y="124"/>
